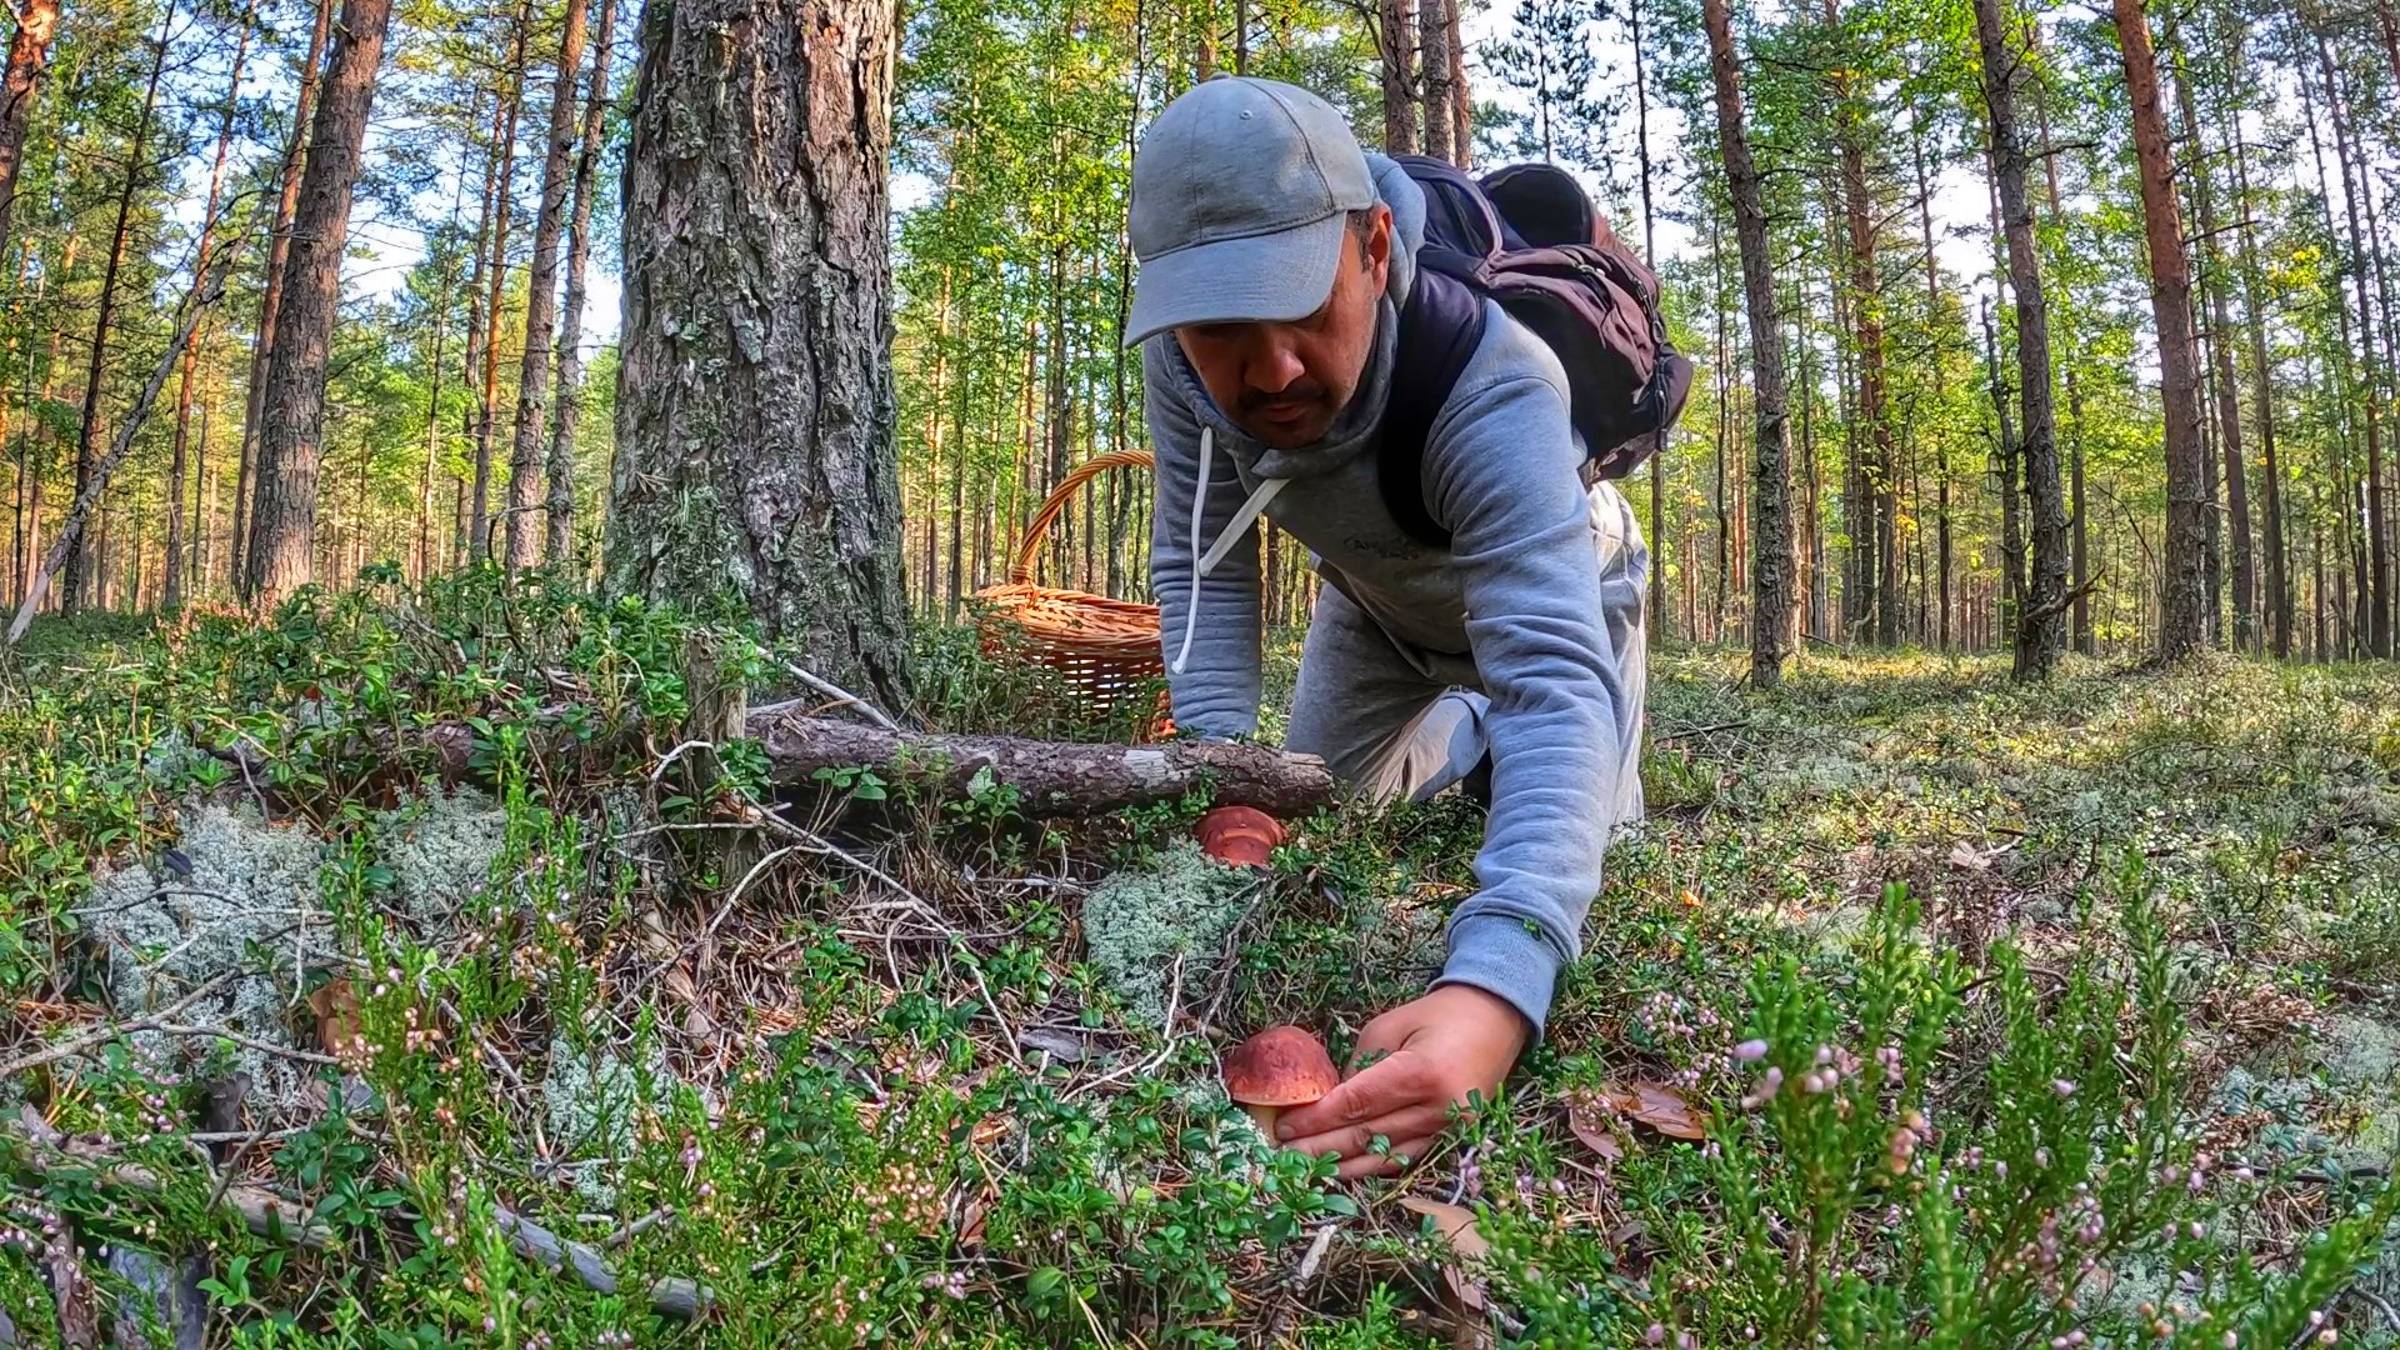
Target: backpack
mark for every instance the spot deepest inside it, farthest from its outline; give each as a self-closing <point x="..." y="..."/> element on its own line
<point x="1527" y="238"/>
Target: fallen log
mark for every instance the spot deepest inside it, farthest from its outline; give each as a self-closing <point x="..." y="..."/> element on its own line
<point x="1052" y="778"/>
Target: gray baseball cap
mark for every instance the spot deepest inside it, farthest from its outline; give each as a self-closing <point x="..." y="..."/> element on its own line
<point x="1240" y="193"/>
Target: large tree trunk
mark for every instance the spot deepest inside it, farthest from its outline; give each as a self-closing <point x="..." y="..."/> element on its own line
<point x="488" y="386"/>
<point x="2183" y="600"/>
<point x="755" y="458"/>
<point x="28" y="58"/>
<point x="2041" y="624"/>
<point x="559" y="540"/>
<point x="95" y="378"/>
<point x="1396" y="35"/>
<point x="1772" y="608"/>
<point x="270" y="312"/>
<point x="283" y="531"/>
<point x="172" y="599"/>
<point x="1440" y="115"/>
<point x="533" y="369"/>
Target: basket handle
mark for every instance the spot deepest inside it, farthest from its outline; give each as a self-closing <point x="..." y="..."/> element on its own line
<point x="1037" y="529"/>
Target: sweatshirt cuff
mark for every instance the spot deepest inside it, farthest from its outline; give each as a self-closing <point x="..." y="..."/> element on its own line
<point x="1503" y="957"/>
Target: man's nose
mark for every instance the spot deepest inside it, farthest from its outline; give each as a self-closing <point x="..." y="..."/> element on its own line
<point x="1273" y="367"/>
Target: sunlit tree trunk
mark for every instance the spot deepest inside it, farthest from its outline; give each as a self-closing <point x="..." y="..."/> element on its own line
<point x="559" y="540"/>
<point x="28" y="59"/>
<point x="755" y="461"/>
<point x="2183" y="601"/>
<point x="487" y="397"/>
<point x="2041" y="624"/>
<point x="284" y="530"/>
<point x="1772" y="610"/>
<point x="1440" y="118"/>
<point x="2278" y="598"/>
<point x="1396" y="35"/>
<point x="525" y="499"/>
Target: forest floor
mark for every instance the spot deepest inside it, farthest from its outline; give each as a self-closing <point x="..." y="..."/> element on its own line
<point x="1923" y="1009"/>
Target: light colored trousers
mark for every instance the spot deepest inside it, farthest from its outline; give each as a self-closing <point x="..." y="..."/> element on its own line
<point x="1392" y="723"/>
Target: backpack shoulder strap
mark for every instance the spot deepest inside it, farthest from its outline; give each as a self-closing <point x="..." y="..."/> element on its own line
<point x="1440" y="328"/>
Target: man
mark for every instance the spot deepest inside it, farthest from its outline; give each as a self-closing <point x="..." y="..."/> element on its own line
<point x="1275" y="259"/>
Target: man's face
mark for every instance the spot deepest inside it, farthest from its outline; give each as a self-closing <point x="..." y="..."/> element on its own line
<point x="1284" y="383"/>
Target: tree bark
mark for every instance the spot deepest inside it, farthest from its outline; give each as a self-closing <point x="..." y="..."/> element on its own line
<point x="2228" y="399"/>
<point x="1054" y="778"/>
<point x="1462" y="99"/>
<point x="172" y="597"/>
<point x="525" y="531"/>
<point x="95" y="378"/>
<point x="270" y="311"/>
<point x="2377" y="587"/>
<point x="28" y="60"/>
<point x="1772" y="607"/>
<point x="1879" y="572"/>
<point x="1396" y="36"/>
<point x="283" y="531"/>
<point x="2183" y="599"/>
<point x="2042" y="623"/>
<point x="559" y="542"/>
<point x="1440" y="117"/>
<point x="755" y="461"/>
<point x="1658" y="453"/>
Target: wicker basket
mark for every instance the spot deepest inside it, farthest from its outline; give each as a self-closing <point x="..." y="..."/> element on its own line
<point x="1104" y="650"/>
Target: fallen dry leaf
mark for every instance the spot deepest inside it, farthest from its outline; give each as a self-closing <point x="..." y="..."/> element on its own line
<point x="1457" y="1225"/>
<point x="1967" y="857"/>
<point x="1662" y="1109"/>
<point x="1589" y="1118"/>
<point x="336" y="1005"/>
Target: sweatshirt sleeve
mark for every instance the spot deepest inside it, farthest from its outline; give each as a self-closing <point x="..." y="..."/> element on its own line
<point x="1216" y="695"/>
<point x="1502" y="469"/>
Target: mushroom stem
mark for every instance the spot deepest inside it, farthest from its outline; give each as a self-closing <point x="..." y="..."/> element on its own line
<point x="1266" y="1117"/>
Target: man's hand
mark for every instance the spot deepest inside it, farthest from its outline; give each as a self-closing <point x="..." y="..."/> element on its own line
<point x="1419" y="1060"/>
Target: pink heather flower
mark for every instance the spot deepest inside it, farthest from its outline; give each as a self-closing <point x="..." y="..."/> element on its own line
<point x="1750" y="1052"/>
<point x="2064" y="1087"/>
<point x="1656" y="1335"/>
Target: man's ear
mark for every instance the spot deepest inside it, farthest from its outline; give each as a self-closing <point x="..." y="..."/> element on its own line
<point x="1379" y="247"/>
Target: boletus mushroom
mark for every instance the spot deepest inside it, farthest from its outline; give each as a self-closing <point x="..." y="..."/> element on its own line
<point x="1239" y="836"/>
<point x="1278" y="1068"/>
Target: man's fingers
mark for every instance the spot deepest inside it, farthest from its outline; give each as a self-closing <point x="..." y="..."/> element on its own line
<point x="1377" y="1090"/>
<point x="1376" y="1164"/>
<point x="1417" y="1120"/>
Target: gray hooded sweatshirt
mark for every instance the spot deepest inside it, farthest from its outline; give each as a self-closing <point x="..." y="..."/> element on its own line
<point x="1517" y="606"/>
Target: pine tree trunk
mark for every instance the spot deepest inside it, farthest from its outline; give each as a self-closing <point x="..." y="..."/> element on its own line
<point x="28" y="59"/>
<point x="487" y="397"/>
<point x="2227" y="399"/>
<point x="1396" y="35"/>
<point x="755" y="459"/>
<point x="202" y="252"/>
<point x="95" y="379"/>
<point x="1440" y="118"/>
<point x="2278" y="599"/>
<point x="2183" y="600"/>
<point x="1772" y="609"/>
<point x="1462" y="100"/>
<point x="1878" y="472"/>
<point x="270" y="310"/>
<point x="470" y="500"/>
<point x="1658" y="456"/>
<point x="283" y="533"/>
<point x="559" y="541"/>
<point x="2041" y="624"/>
<point x="525" y="498"/>
<point x="2350" y="158"/>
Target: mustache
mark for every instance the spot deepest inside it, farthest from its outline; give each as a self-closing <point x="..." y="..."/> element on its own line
<point x="1299" y="394"/>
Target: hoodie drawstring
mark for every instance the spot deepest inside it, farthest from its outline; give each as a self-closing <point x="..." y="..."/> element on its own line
<point x="1205" y="563"/>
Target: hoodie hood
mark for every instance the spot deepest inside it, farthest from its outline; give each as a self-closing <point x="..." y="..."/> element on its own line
<point x="1354" y="428"/>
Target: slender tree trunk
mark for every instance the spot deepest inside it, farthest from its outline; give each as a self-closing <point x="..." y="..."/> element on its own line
<point x="2041" y="624"/>
<point x="1933" y="311"/>
<point x="559" y="541"/>
<point x="2184" y="597"/>
<point x="1396" y="37"/>
<point x="1462" y="98"/>
<point x="173" y="596"/>
<point x="525" y="530"/>
<point x="283" y="534"/>
<point x="479" y="324"/>
<point x="28" y="59"/>
<point x="755" y="457"/>
<point x="1878" y="479"/>
<point x="2376" y="586"/>
<point x="2227" y="399"/>
<point x="1658" y="455"/>
<point x="270" y="312"/>
<point x="95" y="379"/>
<point x="2278" y="585"/>
<point x="488" y="391"/>
<point x="1772" y="609"/>
<point x="1440" y="119"/>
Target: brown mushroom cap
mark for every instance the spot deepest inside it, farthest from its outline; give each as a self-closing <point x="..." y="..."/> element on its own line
<point x="1281" y="1066"/>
